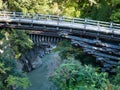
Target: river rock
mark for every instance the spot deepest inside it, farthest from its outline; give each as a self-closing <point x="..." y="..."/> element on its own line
<point x="19" y="65"/>
<point x="37" y="62"/>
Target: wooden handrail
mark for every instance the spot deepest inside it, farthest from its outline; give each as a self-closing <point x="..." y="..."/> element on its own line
<point x="21" y="15"/>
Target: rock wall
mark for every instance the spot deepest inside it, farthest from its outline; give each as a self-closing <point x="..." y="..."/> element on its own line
<point x="32" y="59"/>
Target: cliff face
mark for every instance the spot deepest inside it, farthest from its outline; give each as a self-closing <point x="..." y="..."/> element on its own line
<point x="32" y="59"/>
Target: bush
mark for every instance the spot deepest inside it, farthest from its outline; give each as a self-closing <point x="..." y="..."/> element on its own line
<point x="71" y="75"/>
<point x="67" y="50"/>
<point x="20" y="42"/>
<point x="9" y="76"/>
<point x="13" y="43"/>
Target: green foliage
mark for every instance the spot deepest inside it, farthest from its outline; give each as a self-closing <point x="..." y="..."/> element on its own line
<point x="116" y="78"/>
<point x="18" y="81"/>
<point x="71" y="75"/>
<point x="2" y="69"/>
<point x="67" y="51"/>
<point x="12" y="43"/>
<point x="9" y="76"/>
<point x="115" y="16"/>
<point x="64" y="49"/>
<point x="9" y="64"/>
<point x="1" y="4"/>
<point x="20" y="42"/>
<point x="15" y="42"/>
<point x="33" y="6"/>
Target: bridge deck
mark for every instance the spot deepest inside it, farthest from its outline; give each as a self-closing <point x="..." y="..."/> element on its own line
<point x="53" y="20"/>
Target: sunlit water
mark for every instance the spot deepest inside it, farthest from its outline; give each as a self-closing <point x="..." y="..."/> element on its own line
<point x="39" y="77"/>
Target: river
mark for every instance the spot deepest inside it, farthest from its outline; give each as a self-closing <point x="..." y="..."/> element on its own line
<point x="39" y="77"/>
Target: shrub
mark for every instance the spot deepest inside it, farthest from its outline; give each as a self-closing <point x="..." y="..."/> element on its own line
<point x="71" y="75"/>
<point x="9" y="76"/>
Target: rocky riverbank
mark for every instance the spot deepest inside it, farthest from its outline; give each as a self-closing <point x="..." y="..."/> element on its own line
<point x="32" y="59"/>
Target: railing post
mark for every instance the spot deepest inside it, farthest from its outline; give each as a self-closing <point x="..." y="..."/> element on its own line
<point x="45" y="17"/>
<point x="111" y="25"/>
<point x="13" y="14"/>
<point x="85" y="23"/>
<point x="73" y="20"/>
<point x="4" y="13"/>
<point x="21" y="14"/>
<point x="98" y="25"/>
<point x="60" y="18"/>
<point x="49" y="17"/>
<point x="36" y="16"/>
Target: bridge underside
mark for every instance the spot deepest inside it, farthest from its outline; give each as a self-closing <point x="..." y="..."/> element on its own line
<point x="106" y="51"/>
<point x="103" y="45"/>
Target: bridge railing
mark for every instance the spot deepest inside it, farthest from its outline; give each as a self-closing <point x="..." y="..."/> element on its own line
<point x="20" y="15"/>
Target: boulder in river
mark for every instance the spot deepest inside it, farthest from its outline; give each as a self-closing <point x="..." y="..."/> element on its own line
<point x="37" y="62"/>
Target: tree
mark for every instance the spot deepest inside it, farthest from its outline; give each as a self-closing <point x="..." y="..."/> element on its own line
<point x="66" y="51"/>
<point x="1" y="4"/>
<point x="71" y="75"/>
<point x="9" y="75"/>
<point x="19" y="42"/>
<point x="32" y="6"/>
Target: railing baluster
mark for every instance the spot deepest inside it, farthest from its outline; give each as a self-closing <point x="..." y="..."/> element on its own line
<point x="73" y="20"/>
<point x="98" y="25"/>
<point x="14" y="15"/>
<point x="49" y="17"/>
<point x="85" y="23"/>
<point x="4" y="13"/>
<point x="36" y="15"/>
<point x="111" y="25"/>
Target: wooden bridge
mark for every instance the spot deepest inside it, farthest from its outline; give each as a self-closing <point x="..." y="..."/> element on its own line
<point x="98" y="38"/>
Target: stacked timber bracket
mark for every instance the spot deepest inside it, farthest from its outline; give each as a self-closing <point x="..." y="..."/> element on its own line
<point x="98" y="38"/>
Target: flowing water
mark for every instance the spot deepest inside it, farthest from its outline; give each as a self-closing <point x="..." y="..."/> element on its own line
<point x="40" y="77"/>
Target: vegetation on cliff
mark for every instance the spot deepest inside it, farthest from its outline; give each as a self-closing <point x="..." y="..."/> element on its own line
<point x="13" y="43"/>
<point x="80" y="72"/>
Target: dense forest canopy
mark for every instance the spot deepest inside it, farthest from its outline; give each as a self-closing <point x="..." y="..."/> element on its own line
<point x="106" y="10"/>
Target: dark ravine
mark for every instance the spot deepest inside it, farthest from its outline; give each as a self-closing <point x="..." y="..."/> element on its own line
<point x="40" y="62"/>
<point x="105" y="51"/>
<point x="32" y="59"/>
